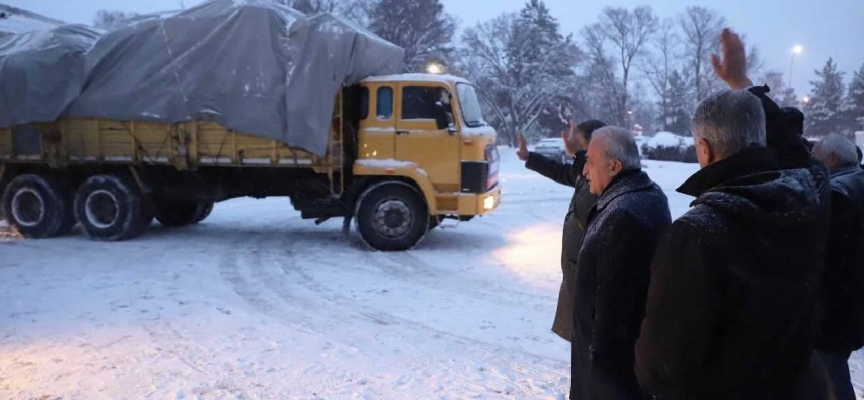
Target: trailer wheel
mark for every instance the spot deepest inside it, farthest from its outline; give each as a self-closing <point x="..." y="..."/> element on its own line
<point x="173" y="214"/>
<point x="392" y="216"/>
<point x="37" y="206"/>
<point x="111" y="208"/>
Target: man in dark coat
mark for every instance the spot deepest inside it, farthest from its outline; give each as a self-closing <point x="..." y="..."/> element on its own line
<point x="612" y="278"/>
<point x="842" y="331"/>
<point x="732" y="310"/>
<point x="576" y="143"/>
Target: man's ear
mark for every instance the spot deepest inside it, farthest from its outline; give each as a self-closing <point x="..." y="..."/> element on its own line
<point x="706" y="153"/>
<point x="833" y="160"/>
<point x="615" y="168"/>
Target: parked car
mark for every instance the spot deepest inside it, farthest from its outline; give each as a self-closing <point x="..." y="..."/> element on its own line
<point x="553" y="148"/>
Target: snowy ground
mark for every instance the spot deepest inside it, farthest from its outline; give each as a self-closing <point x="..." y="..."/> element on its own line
<point x="256" y="303"/>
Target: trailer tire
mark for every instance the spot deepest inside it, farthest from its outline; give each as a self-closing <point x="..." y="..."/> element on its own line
<point x="36" y="205"/>
<point x="392" y="216"/>
<point x="112" y="208"/>
<point x="175" y="214"/>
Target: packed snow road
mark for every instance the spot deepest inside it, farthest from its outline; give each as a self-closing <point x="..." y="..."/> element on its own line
<point x="257" y="303"/>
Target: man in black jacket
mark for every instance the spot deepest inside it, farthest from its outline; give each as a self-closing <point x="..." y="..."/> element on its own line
<point x="842" y="331"/>
<point x="576" y="142"/>
<point x="732" y="310"/>
<point x="612" y="279"/>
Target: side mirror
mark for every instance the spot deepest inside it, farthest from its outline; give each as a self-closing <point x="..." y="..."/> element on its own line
<point x="442" y="119"/>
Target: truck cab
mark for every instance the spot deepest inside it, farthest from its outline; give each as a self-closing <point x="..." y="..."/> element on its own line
<point x="429" y="130"/>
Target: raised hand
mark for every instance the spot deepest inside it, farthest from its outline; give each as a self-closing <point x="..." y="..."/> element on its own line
<point x="732" y="68"/>
<point x="522" y="152"/>
<point x="571" y="142"/>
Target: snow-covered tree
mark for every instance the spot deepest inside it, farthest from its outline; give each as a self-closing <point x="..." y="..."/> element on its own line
<point x="854" y="105"/>
<point x="110" y="19"/>
<point x="823" y="112"/>
<point x="421" y="27"/>
<point x="784" y="96"/>
<point x="523" y="67"/>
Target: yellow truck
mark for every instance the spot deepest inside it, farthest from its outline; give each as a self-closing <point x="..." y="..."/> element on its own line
<point x="405" y="152"/>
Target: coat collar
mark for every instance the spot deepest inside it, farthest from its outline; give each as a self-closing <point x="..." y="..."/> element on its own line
<point x="845" y="171"/>
<point x="747" y="162"/>
<point x="627" y="182"/>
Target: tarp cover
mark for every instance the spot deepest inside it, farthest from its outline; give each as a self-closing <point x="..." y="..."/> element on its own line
<point x="42" y="72"/>
<point x="251" y="65"/>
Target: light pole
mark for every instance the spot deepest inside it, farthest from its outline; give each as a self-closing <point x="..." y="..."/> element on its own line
<point x="629" y="119"/>
<point x="797" y="50"/>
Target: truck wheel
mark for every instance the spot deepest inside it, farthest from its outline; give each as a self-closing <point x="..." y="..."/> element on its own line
<point x="205" y="208"/>
<point x="112" y="208"/>
<point x="392" y="217"/>
<point x="36" y="206"/>
<point x="174" y="214"/>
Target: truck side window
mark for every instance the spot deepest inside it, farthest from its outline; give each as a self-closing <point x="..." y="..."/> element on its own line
<point x="364" y="103"/>
<point x="419" y="102"/>
<point x="385" y="103"/>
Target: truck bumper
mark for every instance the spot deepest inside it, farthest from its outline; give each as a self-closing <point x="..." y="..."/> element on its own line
<point x="480" y="204"/>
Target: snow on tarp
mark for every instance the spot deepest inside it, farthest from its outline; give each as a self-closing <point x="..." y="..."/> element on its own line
<point x="251" y="65"/>
<point x="42" y="72"/>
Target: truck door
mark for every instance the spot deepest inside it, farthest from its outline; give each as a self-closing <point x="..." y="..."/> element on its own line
<point x="419" y="138"/>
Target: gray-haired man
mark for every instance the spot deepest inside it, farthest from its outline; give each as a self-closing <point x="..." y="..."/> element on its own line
<point x="612" y="278"/>
<point x="731" y="310"/>
<point x="843" y="330"/>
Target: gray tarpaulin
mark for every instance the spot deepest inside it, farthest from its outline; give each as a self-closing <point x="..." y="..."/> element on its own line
<point x="251" y="65"/>
<point x="41" y="73"/>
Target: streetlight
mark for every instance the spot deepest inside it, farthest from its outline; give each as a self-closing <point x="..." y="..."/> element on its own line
<point x="434" y="68"/>
<point x="796" y="51"/>
<point x="806" y="99"/>
<point x="629" y="119"/>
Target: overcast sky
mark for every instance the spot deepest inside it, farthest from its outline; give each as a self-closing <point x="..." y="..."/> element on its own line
<point x="829" y="28"/>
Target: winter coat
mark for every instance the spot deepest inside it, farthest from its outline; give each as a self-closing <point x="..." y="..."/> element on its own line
<point x="734" y="304"/>
<point x="610" y="286"/>
<point x="843" y="330"/>
<point x="574" y="229"/>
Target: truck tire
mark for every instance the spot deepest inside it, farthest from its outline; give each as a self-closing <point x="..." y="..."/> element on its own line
<point x="392" y="216"/>
<point x="111" y="208"/>
<point x="37" y="206"/>
<point x="205" y="208"/>
<point x="175" y="214"/>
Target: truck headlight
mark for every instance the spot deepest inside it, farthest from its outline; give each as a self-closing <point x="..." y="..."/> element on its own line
<point x="488" y="203"/>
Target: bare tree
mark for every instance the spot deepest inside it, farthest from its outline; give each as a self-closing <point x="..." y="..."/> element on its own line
<point x="659" y="67"/>
<point x="701" y="28"/>
<point x="628" y="32"/>
<point x="600" y="77"/>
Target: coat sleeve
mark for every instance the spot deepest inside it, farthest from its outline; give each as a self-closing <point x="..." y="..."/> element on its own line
<point x="622" y="283"/>
<point x="682" y="309"/>
<point x="564" y="174"/>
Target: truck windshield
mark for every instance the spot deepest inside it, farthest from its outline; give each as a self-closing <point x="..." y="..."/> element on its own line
<point x="472" y="114"/>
